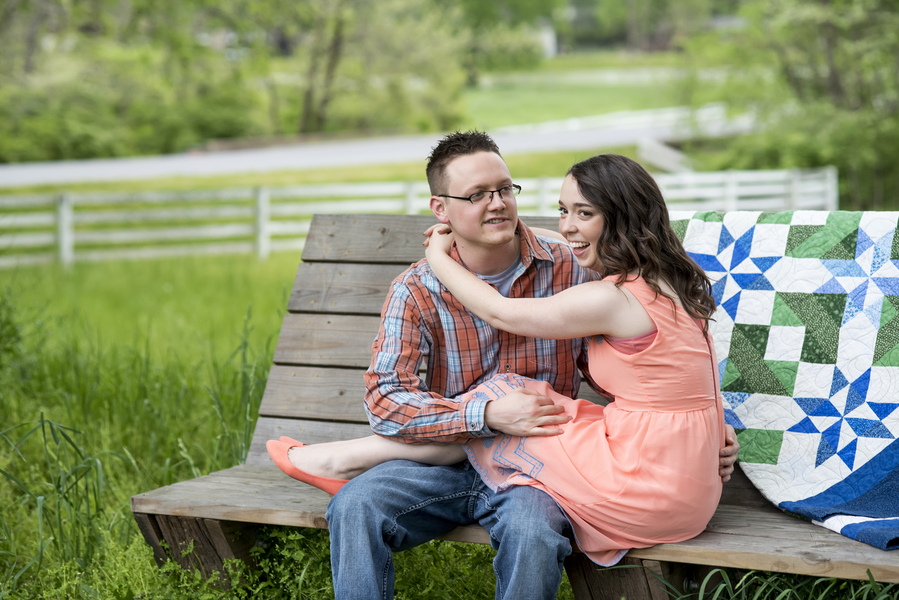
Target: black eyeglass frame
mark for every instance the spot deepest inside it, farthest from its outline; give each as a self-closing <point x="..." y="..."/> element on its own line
<point x="516" y="189"/>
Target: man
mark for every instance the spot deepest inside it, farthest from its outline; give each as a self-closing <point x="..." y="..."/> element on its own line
<point x="401" y="504"/>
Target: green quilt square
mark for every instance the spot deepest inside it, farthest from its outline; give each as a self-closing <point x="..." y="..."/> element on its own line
<point x="822" y="315"/>
<point x="775" y="218"/>
<point x="886" y="346"/>
<point x="760" y="446"/>
<point x="748" y="371"/>
<point x="836" y="239"/>
<point x="680" y="228"/>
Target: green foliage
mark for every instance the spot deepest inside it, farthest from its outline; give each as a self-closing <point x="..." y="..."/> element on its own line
<point x="504" y="48"/>
<point x="821" y="82"/>
<point x="486" y="14"/>
<point x="640" y="24"/>
<point x="116" y="103"/>
<point x="777" y="586"/>
<point x="10" y="332"/>
<point x="157" y="77"/>
<point x="99" y="422"/>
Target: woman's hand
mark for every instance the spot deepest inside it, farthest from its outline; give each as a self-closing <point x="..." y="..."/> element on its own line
<point x="438" y="239"/>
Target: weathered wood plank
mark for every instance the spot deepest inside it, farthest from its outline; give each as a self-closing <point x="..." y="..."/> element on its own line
<point x="350" y="288"/>
<point x="231" y="540"/>
<point x="655" y="579"/>
<point x="314" y="393"/>
<point x="190" y="545"/>
<point x="149" y="528"/>
<point x="326" y="340"/>
<point x="739" y="491"/>
<point x="385" y="239"/>
<point x="737" y="537"/>
<point x="626" y="580"/>
<point x="309" y="432"/>
<point x="329" y="394"/>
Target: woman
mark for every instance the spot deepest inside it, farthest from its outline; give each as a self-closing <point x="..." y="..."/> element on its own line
<point x="642" y="470"/>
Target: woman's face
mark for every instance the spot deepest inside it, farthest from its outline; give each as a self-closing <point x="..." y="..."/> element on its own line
<point x="581" y="224"/>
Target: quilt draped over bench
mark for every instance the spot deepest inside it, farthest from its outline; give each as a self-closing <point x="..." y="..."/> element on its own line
<point x="807" y="334"/>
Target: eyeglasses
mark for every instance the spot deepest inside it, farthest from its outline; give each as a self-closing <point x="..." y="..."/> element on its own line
<point x="504" y="194"/>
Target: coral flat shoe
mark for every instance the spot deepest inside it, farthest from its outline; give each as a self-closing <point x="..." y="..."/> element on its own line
<point x="290" y="441"/>
<point x="278" y="451"/>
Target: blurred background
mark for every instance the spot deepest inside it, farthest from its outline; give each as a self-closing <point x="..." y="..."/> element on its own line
<point x="119" y="376"/>
<point x="106" y="78"/>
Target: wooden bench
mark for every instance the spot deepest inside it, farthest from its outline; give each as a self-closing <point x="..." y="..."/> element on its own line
<point x="314" y="393"/>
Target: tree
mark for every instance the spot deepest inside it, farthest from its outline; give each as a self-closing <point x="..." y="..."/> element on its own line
<point x="821" y="77"/>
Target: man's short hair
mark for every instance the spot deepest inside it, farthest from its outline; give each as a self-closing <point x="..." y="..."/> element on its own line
<point x="451" y="147"/>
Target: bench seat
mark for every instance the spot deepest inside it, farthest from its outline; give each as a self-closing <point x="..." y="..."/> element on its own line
<point x="314" y="393"/>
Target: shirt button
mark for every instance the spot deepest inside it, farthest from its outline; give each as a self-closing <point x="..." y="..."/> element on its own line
<point x="508" y="367"/>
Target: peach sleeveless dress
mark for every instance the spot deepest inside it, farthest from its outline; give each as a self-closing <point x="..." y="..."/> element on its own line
<point x="644" y="469"/>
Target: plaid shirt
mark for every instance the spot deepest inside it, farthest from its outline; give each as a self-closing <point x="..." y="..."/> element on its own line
<point x="422" y="322"/>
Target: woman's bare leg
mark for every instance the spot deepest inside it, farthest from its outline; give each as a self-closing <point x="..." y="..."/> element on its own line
<point x="348" y="458"/>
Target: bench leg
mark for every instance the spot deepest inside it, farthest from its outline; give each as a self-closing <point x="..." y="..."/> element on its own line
<point x="214" y="541"/>
<point x="153" y="535"/>
<point x="635" y="579"/>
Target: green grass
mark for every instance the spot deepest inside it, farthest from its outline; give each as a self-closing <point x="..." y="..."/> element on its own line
<point x="182" y="306"/>
<point x="526" y="101"/>
<point x="95" y="409"/>
<point x="539" y="164"/>
<point x="610" y="59"/>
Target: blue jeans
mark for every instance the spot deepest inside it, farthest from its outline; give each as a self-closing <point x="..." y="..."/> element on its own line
<point x="401" y="504"/>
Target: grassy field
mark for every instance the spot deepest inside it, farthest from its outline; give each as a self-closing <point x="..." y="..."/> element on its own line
<point x="515" y="102"/>
<point x="121" y="377"/>
<point x="124" y="376"/>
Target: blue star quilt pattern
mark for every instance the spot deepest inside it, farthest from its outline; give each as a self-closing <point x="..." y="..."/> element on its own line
<point x="807" y="335"/>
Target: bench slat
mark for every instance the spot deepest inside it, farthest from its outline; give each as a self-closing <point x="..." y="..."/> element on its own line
<point x="330" y="394"/>
<point x="310" y="432"/>
<point x="384" y="239"/>
<point x="314" y="393"/>
<point x="342" y="288"/>
<point x="741" y="537"/>
<point x="830" y="555"/>
<point x="326" y="340"/>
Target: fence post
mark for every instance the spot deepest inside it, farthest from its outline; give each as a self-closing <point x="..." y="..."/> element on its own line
<point x="410" y="199"/>
<point x="65" y="234"/>
<point x="730" y="192"/>
<point x="833" y="188"/>
<point x="263" y="219"/>
<point x="543" y="197"/>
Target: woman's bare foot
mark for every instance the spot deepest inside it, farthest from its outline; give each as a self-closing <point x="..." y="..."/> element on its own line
<point x="324" y="460"/>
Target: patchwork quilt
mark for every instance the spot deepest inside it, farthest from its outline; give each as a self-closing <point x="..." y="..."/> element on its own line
<point x="807" y="335"/>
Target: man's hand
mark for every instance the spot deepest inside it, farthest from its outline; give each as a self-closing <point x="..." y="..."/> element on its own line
<point x="525" y="412"/>
<point x="728" y="454"/>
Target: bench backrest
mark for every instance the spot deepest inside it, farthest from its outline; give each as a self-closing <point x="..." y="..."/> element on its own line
<point x="315" y="388"/>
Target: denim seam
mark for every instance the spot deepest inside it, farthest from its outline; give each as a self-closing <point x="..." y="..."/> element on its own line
<point x="427" y="502"/>
<point x="385" y="575"/>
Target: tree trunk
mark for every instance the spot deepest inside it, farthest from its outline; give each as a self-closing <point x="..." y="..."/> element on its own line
<point x="32" y="39"/>
<point x="335" y="49"/>
<point x="307" y="118"/>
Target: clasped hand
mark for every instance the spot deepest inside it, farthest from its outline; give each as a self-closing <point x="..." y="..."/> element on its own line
<point x="525" y="412"/>
<point x="438" y="238"/>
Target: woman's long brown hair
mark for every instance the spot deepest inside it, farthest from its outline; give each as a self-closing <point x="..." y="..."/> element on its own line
<point x="637" y="234"/>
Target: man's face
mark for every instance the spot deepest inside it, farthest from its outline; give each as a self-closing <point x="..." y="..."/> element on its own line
<point x="489" y="223"/>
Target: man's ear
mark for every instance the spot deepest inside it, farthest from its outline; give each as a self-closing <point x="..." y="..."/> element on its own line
<point x="438" y="207"/>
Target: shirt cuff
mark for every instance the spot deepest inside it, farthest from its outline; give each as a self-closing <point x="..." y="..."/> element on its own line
<point x="473" y="413"/>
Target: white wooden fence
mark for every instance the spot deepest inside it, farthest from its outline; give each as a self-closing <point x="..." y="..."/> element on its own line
<point x="94" y="227"/>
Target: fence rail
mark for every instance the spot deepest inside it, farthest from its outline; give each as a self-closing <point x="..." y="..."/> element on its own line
<point x="94" y="227"/>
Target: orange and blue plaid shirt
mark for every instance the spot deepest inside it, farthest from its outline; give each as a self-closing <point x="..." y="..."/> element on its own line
<point x="421" y="322"/>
